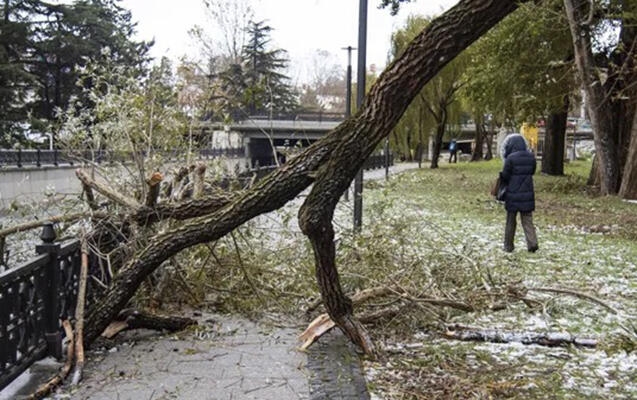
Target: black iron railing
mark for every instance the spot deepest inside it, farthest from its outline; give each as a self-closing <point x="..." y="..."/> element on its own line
<point x="21" y="158"/>
<point x="34" y="298"/>
<point x="376" y="161"/>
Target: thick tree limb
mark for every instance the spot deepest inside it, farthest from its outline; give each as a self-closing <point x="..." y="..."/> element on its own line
<point x="345" y="148"/>
<point x="397" y="86"/>
<point x="133" y="319"/>
<point x="183" y="210"/>
<point x="48" y="387"/>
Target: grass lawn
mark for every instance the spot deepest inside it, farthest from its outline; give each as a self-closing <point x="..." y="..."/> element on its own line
<point x="445" y="234"/>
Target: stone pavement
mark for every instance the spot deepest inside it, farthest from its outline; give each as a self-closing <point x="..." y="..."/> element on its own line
<point x="223" y="357"/>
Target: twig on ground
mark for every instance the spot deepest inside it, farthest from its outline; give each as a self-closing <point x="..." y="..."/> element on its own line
<point x="576" y="294"/>
<point x="59" y="377"/>
<point x="79" y="317"/>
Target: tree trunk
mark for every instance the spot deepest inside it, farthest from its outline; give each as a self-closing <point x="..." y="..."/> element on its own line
<point x="554" y="142"/>
<point x="599" y="107"/>
<point x="478" y="154"/>
<point x="333" y="160"/>
<point x="628" y="189"/>
<point x="440" y="132"/>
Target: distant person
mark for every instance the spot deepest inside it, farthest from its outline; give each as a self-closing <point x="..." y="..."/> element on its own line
<point x="453" y="150"/>
<point x="517" y="176"/>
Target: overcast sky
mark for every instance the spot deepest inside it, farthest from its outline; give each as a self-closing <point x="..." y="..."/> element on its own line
<point x="300" y="27"/>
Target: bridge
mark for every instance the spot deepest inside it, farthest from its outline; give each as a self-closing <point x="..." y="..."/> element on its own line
<point x="265" y="137"/>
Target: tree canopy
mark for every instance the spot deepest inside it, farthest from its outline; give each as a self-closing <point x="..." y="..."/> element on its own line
<point x="45" y="48"/>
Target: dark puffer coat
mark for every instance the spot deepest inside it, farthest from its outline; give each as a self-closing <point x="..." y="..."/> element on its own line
<point x="517" y="174"/>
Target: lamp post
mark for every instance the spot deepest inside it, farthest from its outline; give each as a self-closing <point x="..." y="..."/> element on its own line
<point x="348" y="93"/>
<point x="360" y="94"/>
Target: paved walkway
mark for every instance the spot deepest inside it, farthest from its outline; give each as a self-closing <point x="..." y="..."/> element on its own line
<point x="222" y="358"/>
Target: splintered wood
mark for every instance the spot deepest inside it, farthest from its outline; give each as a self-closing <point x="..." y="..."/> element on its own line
<point x="317" y="328"/>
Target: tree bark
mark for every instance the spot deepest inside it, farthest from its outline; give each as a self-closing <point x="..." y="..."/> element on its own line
<point x="333" y="161"/>
<point x="554" y="141"/>
<point x="628" y="189"/>
<point x="437" y="142"/>
<point x="478" y="153"/>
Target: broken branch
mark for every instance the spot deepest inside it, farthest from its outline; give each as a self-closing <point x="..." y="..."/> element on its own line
<point x="55" y="219"/>
<point x="79" y="317"/>
<point x="465" y="333"/>
<point x="105" y="190"/>
<point x="153" y="189"/>
<point x="576" y="294"/>
<point x="59" y="377"/>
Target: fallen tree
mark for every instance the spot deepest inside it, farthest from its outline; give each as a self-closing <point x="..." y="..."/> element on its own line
<point x="330" y="164"/>
<point x="139" y="233"/>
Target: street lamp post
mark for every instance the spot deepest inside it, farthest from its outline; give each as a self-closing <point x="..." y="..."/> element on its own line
<point x="360" y="94"/>
<point x="348" y="93"/>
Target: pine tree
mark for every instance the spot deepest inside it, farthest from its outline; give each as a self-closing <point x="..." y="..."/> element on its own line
<point x="15" y="79"/>
<point x="267" y="88"/>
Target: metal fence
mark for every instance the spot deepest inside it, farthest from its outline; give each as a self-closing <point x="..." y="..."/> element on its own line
<point x="34" y="298"/>
<point x="20" y="158"/>
<point x="376" y="161"/>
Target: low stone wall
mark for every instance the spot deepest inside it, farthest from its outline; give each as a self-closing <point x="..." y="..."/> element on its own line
<point x="33" y="183"/>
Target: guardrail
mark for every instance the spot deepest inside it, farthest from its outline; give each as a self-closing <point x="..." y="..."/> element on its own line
<point x="21" y="158"/>
<point x="34" y="298"/>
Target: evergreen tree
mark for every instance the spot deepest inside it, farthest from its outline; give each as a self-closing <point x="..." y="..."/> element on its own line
<point x="44" y="48"/>
<point x="71" y="35"/>
<point x="15" y="79"/>
<point x="267" y="88"/>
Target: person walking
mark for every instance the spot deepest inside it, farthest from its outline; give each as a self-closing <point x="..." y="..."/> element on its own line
<point x="453" y="149"/>
<point x="517" y="176"/>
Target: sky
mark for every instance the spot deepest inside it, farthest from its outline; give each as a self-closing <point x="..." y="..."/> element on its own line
<point x="299" y="26"/>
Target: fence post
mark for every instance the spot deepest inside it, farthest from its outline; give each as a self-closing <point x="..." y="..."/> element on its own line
<point x="19" y="158"/>
<point x="55" y="157"/>
<point x="52" y="332"/>
<point x="38" y="162"/>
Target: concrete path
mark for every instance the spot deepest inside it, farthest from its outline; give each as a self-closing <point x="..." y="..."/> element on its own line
<point x="222" y="358"/>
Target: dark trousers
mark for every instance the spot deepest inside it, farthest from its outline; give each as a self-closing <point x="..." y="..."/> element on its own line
<point x="452" y="154"/>
<point x="527" y="226"/>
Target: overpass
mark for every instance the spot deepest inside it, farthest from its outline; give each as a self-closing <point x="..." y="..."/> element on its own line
<point x="267" y="137"/>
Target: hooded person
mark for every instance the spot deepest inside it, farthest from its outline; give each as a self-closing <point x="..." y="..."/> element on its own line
<point x="517" y="176"/>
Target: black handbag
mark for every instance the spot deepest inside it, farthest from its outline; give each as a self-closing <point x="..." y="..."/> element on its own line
<point x="499" y="190"/>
